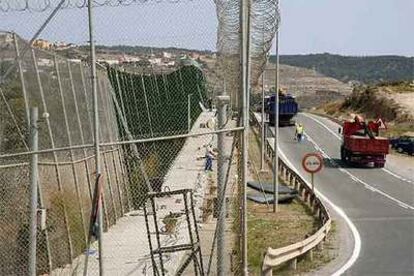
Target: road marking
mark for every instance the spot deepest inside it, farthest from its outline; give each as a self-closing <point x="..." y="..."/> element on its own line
<point x="356" y="179"/>
<point x="340" y="138"/>
<point x="398" y="176"/>
<point x="341" y="213"/>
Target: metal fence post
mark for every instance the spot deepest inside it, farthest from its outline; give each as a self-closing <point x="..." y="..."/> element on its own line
<point x="189" y="112"/>
<point x="96" y="133"/>
<point x="222" y="101"/>
<point x="276" y="111"/>
<point x="147" y="105"/>
<point x="263" y="137"/>
<point x="19" y="64"/>
<point x="33" y="190"/>
<point x="136" y="105"/>
<point x="244" y="90"/>
<point x="119" y="88"/>
<point x="41" y="201"/>
<point x="262" y="149"/>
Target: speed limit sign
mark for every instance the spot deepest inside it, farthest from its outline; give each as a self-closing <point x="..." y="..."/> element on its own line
<point x="312" y="163"/>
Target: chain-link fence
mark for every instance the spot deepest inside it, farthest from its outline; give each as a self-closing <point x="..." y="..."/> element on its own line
<point x="166" y="127"/>
<point x="59" y="87"/>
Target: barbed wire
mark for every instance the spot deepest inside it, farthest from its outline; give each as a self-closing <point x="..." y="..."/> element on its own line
<point x="43" y="5"/>
<point x="264" y="21"/>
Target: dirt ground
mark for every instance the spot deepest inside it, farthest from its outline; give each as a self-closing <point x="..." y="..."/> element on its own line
<point x="405" y="100"/>
<point x="310" y="87"/>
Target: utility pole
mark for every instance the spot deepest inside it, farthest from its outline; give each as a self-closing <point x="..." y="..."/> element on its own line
<point x="34" y="138"/>
<point x="276" y="112"/>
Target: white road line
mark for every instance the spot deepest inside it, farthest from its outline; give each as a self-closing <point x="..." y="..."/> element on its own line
<point x="340" y="138"/>
<point x="356" y="179"/>
<point x="398" y="176"/>
<point x="341" y="213"/>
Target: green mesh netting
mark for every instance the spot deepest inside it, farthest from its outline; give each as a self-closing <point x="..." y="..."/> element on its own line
<point x="156" y="105"/>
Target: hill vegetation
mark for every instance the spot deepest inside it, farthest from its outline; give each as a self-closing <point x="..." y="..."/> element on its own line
<point x="388" y="101"/>
<point x="364" y="69"/>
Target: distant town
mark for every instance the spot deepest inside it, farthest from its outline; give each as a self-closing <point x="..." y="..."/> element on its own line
<point x="144" y="57"/>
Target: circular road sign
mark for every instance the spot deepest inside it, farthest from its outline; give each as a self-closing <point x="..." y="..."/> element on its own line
<point x="312" y="162"/>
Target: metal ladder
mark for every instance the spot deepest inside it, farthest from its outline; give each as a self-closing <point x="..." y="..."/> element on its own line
<point x="192" y="248"/>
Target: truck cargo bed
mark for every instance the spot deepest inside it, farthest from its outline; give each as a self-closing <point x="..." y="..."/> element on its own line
<point x="366" y="145"/>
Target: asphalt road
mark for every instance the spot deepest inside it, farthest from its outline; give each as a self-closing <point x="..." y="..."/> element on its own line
<point x="379" y="202"/>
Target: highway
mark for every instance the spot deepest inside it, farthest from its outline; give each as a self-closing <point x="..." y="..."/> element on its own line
<point x="378" y="202"/>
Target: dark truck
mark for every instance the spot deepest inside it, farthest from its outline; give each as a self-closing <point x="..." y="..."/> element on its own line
<point x="362" y="144"/>
<point x="288" y="108"/>
<point x="404" y="143"/>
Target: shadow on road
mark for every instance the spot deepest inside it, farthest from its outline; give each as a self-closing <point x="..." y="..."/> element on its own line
<point x="338" y="163"/>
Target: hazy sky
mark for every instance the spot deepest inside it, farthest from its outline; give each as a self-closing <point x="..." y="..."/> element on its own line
<point x="349" y="27"/>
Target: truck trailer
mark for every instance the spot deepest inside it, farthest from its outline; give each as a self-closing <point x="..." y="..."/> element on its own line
<point x="288" y="108"/>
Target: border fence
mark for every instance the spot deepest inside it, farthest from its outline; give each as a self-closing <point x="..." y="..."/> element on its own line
<point x="146" y="120"/>
<point x="59" y="88"/>
<point x="109" y="137"/>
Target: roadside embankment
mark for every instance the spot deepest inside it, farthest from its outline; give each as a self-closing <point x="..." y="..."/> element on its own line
<point x="292" y="224"/>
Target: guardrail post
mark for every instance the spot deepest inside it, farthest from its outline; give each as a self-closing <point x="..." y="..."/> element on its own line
<point x="294" y="264"/>
<point x="310" y="255"/>
<point x="267" y="272"/>
<point x="315" y="207"/>
<point x="320" y="246"/>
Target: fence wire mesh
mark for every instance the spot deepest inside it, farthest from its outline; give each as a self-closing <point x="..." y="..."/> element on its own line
<point x="158" y="132"/>
<point x="58" y="87"/>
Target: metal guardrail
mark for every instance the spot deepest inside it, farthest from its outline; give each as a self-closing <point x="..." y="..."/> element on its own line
<point x="275" y="257"/>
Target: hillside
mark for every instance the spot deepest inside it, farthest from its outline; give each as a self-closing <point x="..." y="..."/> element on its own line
<point x="311" y="88"/>
<point x="368" y="70"/>
<point x="394" y="103"/>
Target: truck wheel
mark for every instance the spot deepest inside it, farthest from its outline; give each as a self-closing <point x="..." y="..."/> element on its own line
<point x="343" y="157"/>
<point x="400" y="150"/>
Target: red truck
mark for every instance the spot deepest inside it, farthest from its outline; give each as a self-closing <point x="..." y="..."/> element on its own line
<point x="362" y="144"/>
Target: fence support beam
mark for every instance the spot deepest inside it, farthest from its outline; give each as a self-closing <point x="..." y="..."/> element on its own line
<point x="189" y="113"/>
<point x="41" y="201"/>
<point x="20" y="66"/>
<point x="276" y="117"/>
<point x="244" y="93"/>
<point x="222" y="102"/>
<point x="96" y="136"/>
<point x="33" y="190"/>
